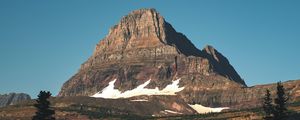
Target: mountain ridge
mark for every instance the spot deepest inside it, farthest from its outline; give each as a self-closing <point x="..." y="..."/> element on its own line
<point x="144" y="46"/>
<point x="12" y="98"/>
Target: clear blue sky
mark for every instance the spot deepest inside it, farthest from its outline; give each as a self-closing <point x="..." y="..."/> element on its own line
<point x="43" y="43"/>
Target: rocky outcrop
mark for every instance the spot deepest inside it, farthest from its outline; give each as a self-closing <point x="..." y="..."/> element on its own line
<point x="222" y="65"/>
<point x="239" y="97"/>
<point x="144" y="46"/>
<point x="12" y="98"/>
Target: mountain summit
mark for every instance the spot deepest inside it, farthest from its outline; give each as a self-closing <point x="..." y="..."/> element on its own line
<point x="142" y="48"/>
<point x="145" y="28"/>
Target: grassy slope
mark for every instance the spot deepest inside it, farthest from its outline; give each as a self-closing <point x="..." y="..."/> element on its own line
<point x="94" y="110"/>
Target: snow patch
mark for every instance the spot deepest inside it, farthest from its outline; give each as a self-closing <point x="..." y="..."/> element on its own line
<point x="139" y="100"/>
<point x="202" y="109"/>
<point x="110" y="92"/>
<point x="173" y="112"/>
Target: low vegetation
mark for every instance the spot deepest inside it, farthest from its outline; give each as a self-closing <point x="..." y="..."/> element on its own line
<point x="84" y="108"/>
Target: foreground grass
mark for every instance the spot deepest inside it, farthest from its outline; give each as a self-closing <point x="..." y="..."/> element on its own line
<point x="68" y="109"/>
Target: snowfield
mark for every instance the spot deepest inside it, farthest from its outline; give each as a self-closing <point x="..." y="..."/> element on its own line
<point x="173" y="112"/>
<point x="201" y="109"/>
<point x="139" y="100"/>
<point x="110" y="92"/>
<point x="171" y="89"/>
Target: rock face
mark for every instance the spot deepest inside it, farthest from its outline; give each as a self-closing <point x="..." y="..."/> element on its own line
<point x="12" y="98"/>
<point x="144" y="46"/>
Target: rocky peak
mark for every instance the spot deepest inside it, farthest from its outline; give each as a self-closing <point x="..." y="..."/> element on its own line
<point x="210" y="50"/>
<point x="139" y="29"/>
<point x="12" y="98"/>
<point x="145" y="28"/>
<point x="141" y="23"/>
<point x="221" y="64"/>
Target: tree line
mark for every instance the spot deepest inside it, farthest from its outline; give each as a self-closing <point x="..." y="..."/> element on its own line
<point x="276" y="109"/>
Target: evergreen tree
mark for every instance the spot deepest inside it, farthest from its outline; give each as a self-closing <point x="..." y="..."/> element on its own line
<point x="268" y="106"/>
<point x="280" y="112"/>
<point x="43" y="109"/>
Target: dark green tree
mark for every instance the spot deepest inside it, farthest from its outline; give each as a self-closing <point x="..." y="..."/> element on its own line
<point x="280" y="112"/>
<point x="44" y="112"/>
<point x="268" y="106"/>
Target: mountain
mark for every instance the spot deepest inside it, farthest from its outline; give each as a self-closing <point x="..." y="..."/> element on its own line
<point x="12" y="98"/>
<point x="144" y="55"/>
<point x="144" y="69"/>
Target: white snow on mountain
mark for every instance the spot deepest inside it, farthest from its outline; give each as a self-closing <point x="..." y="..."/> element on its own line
<point x="171" y="89"/>
<point x="173" y="112"/>
<point x="110" y="92"/>
<point x="202" y="109"/>
<point x="139" y="100"/>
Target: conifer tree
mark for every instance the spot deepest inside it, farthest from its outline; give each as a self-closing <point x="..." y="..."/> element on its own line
<point x="268" y="106"/>
<point x="43" y="107"/>
<point x="280" y="112"/>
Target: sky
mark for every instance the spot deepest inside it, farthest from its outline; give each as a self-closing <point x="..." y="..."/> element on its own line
<point x="44" y="42"/>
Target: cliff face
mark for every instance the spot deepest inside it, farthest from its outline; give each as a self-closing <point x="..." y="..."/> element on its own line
<point x="144" y="46"/>
<point x="12" y="98"/>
